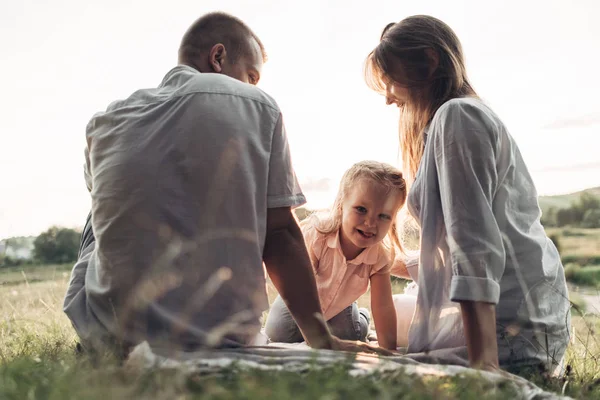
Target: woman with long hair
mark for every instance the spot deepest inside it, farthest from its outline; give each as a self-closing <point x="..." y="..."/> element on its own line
<point x="486" y="267"/>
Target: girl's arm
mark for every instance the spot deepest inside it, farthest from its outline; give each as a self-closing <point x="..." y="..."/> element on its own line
<point x="384" y="312"/>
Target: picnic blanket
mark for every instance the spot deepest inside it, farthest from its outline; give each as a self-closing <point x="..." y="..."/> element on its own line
<point x="300" y="358"/>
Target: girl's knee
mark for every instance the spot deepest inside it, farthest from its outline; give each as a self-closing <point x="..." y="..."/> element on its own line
<point x="280" y="325"/>
<point x="364" y="323"/>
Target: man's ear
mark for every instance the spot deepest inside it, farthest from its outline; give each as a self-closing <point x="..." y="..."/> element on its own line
<point x="216" y="57"/>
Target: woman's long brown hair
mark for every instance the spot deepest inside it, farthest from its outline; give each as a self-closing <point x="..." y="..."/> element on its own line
<point x="423" y="54"/>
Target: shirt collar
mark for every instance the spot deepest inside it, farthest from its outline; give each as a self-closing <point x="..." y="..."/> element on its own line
<point x="174" y="71"/>
<point x="426" y="132"/>
<point x="369" y="256"/>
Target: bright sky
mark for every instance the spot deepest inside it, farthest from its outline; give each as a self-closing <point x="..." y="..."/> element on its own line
<point x="535" y="62"/>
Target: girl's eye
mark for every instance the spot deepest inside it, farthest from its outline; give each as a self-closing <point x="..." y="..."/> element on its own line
<point x="361" y="210"/>
<point x="386" y="217"/>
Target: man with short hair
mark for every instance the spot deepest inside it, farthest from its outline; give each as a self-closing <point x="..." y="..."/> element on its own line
<point x="192" y="189"/>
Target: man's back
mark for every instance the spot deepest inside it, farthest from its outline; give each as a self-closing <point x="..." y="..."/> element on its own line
<point x="181" y="177"/>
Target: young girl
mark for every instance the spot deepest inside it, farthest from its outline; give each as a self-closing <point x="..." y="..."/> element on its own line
<point x="350" y="248"/>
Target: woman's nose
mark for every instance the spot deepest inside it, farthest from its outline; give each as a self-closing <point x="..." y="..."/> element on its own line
<point x="389" y="100"/>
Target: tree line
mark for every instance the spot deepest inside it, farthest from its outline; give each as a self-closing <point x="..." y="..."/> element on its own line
<point x="57" y="245"/>
<point x="60" y="245"/>
<point x="582" y="213"/>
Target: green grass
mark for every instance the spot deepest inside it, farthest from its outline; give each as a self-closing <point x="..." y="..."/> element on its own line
<point x="578" y="245"/>
<point x="580" y="254"/>
<point x="587" y="276"/>
<point x="75" y="379"/>
<point x="37" y="361"/>
<point x="581" y="260"/>
<point x="10" y="276"/>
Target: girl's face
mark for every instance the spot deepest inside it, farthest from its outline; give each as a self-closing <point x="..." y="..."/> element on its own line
<point x="367" y="214"/>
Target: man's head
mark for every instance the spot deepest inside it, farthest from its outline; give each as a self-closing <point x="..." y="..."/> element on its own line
<point x="221" y="43"/>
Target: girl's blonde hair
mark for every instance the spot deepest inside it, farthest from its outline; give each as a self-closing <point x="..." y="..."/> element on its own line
<point x="381" y="173"/>
<point x="424" y="55"/>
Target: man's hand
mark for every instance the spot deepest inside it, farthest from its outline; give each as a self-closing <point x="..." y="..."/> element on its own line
<point x="358" y="347"/>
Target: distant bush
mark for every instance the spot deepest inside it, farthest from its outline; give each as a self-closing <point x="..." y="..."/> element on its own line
<point x="589" y="276"/>
<point x="591" y="219"/>
<point x="571" y="270"/>
<point x="584" y="212"/>
<point x="556" y="240"/>
<point x="7" y="261"/>
<point x="575" y="233"/>
<point x="57" y="246"/>
<point x="581" y="260"/>
<point x="579" y="304"/>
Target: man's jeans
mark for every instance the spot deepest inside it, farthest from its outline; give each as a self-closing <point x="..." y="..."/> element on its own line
<point x="350" y="324"/>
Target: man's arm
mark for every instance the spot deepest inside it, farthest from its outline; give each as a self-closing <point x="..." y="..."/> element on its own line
<point x="288" y="265"/>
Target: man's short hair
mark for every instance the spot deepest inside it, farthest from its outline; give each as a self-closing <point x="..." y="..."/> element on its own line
<point x="218" y="27"/>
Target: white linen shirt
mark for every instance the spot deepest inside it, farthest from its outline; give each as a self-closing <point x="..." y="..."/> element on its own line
<point x="181" y="177"/>
<point x="482" y="240"/>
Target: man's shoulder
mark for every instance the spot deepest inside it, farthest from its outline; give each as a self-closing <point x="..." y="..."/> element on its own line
<point x="183" y="81"/>
<point x="210" y="83"/>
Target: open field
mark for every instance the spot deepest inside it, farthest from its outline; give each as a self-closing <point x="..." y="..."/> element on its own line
<point x="578" y="245"/>
<point x="32" y="273"/>
<point x="38" y="361"/>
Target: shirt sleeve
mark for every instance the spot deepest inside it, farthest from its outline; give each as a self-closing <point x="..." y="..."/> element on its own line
<point x="383" y="265"/>
<point x="87" y="174"/>
<point x="412" y="264"/>
<point x="466" y="146"/>
<point x="283" y="188"/>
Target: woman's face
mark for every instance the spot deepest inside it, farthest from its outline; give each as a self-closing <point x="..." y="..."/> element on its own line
<point x="396" y="94"/>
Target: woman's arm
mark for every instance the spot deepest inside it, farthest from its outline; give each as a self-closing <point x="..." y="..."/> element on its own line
<point x="479" y="320"/>
<point x="466" y="145"/>
<point x="406" y="266"/>
<point x="399" y="268"/>
<point x="384" y="312"/>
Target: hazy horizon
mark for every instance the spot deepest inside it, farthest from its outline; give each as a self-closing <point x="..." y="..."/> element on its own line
<point x="532" y="62"/>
